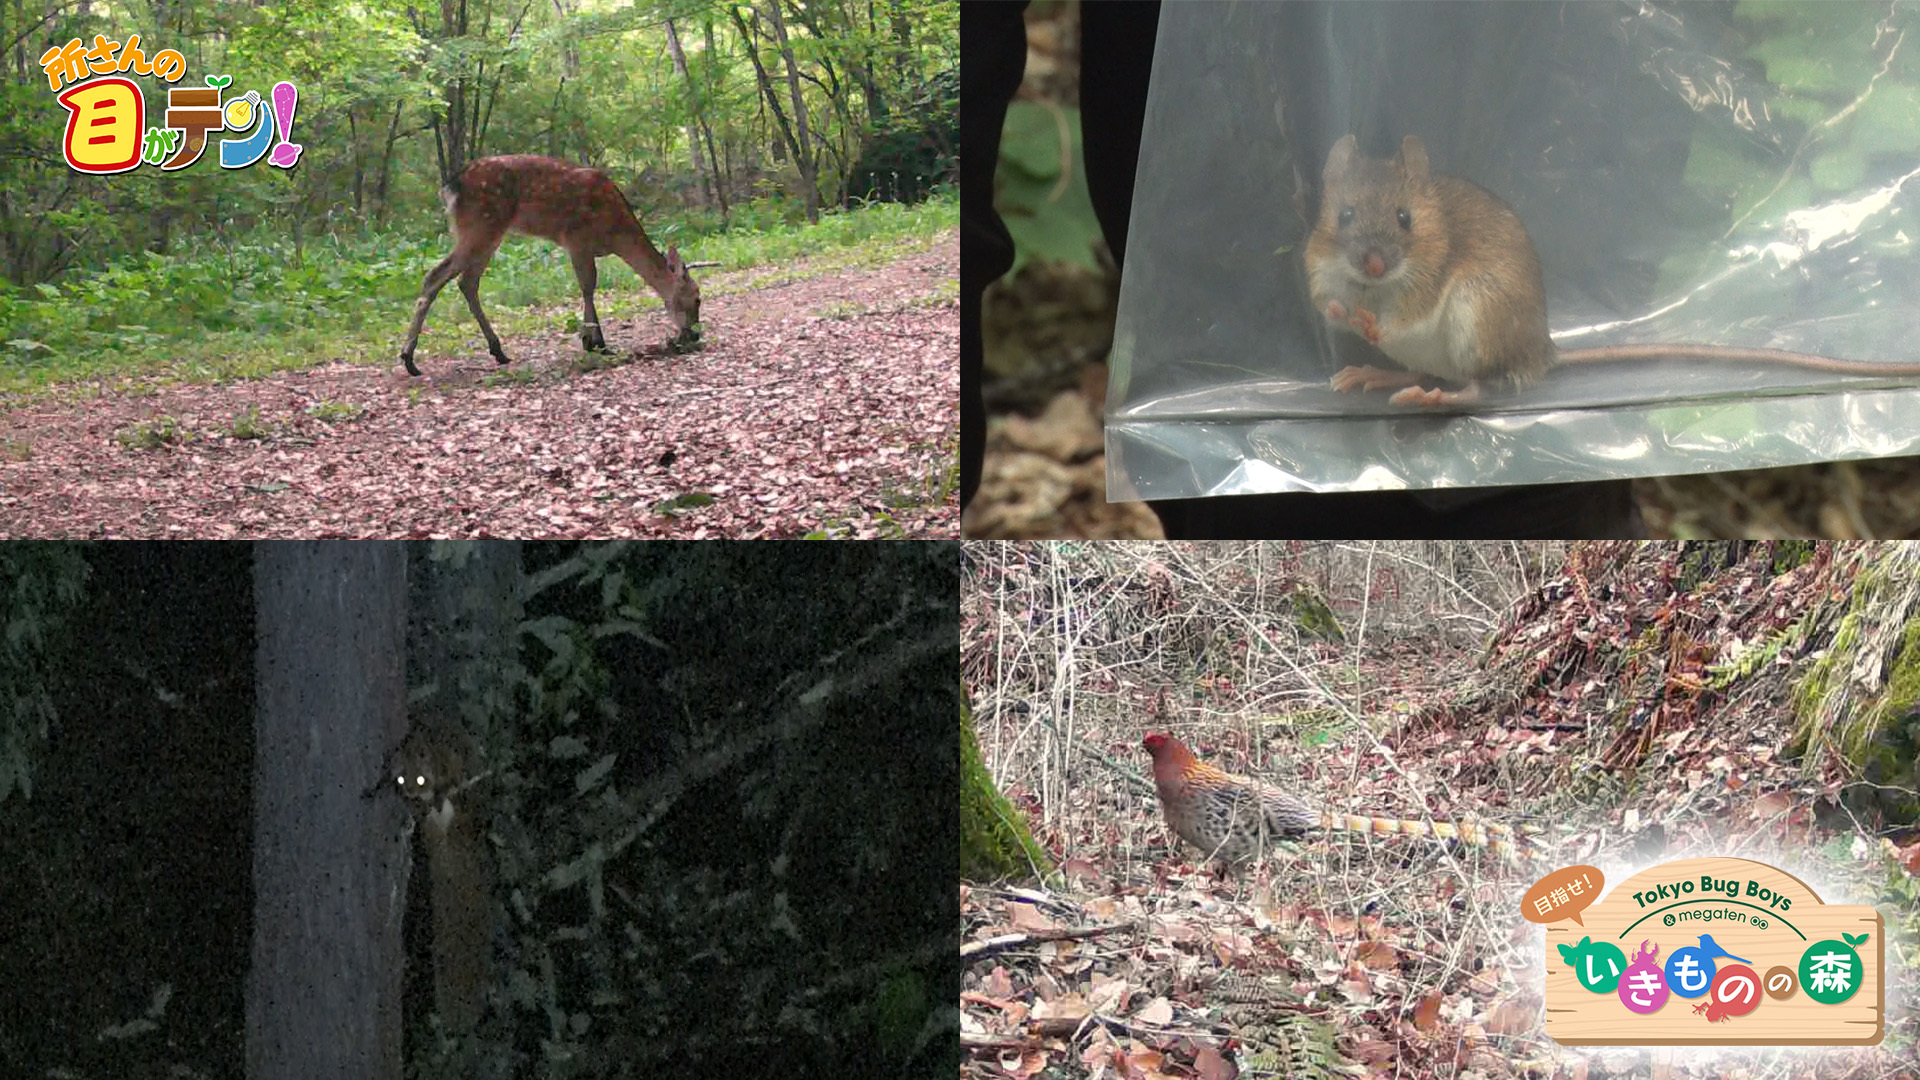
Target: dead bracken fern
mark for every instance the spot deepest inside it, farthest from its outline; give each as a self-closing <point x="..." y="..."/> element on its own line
<point x="1276" y="1042"/>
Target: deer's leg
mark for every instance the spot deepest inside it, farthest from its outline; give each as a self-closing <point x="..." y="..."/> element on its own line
<point x="589" y="275"/>
<point x="470" y="288"/>
<point x="430" y="287"/>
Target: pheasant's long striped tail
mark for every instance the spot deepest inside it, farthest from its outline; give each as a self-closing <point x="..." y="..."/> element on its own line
<point x="1498" y="839"/>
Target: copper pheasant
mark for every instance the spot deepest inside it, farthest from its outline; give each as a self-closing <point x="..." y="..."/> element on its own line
<point x="1234" y="818"/>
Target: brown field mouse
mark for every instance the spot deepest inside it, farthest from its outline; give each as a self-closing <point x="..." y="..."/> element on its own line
<point x="1440" y="275"/>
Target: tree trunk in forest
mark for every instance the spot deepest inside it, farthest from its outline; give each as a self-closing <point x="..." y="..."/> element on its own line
<point x="464" y="607"/>
<point x="460" y="639"/>
<point x="450" y="136"/>
<point x="565" y="10"/>
<point x="359" y="167"/>
<point x="722" y="157"/>
<point x="865" y="72"/>
<point x="453" y="23"/>
<point x="846" y="142"/>
<point x="903" y="69"/>
<point x="20" y="68"/>
<point x="693" y="102"/>
<point x="765" y="82"/>
<point x="803" y="158"/>
<point x="386" y="164"/>
<point x="323" y="997"/>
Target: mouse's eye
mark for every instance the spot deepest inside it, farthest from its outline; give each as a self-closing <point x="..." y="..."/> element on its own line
<point x="1405" y="218"/>
<point x="1345" y="217"/>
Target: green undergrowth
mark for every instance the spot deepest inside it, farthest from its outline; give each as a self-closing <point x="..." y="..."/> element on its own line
<point x="928" y="490"/>
<point x="224" y="308"/>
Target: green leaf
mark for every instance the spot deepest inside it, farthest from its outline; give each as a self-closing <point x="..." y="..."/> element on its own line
<point x="692" y="500"/>
<point x="552" y="632"/>
<point x="1041" y="187"/>
<point x="591" y="777"/>
<point x="1840" y="170"/>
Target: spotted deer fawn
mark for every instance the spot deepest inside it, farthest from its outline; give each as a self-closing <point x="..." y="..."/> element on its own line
<point x="580" y="209"/>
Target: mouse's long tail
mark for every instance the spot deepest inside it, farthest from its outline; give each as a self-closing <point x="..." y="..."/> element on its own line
<point x="1609" y="354"/>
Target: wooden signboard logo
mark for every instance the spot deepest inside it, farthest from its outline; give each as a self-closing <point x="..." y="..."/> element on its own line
<point x="1707" y="951"/>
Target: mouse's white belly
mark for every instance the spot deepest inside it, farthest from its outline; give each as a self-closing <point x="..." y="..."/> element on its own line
<point x="1442" y="343"/>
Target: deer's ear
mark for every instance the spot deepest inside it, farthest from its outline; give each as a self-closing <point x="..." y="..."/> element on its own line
<point x="673" y="257"/>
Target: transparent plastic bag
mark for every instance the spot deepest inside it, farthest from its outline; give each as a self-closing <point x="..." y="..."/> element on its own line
<point x="1705" y="175"/>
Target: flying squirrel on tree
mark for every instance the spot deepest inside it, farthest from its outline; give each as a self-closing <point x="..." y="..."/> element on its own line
<point x="436" y="770"/>
<point x="1232" y="818"/>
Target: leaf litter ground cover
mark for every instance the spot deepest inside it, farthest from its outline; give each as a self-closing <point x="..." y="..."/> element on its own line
<point x="819" y="403"/>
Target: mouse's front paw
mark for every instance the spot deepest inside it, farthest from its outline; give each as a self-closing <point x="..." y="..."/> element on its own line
<point x="1364" y="324"/>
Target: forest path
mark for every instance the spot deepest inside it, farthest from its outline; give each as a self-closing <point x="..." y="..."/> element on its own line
<point x="820" y="401"/>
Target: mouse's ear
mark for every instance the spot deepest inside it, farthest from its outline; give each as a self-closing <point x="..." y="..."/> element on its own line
<point x="1339" y="159"/>
<point x="1412" y="160"/>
